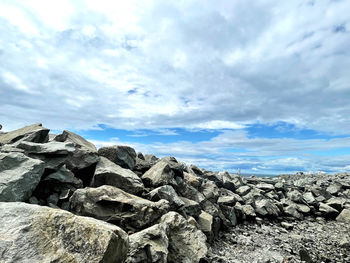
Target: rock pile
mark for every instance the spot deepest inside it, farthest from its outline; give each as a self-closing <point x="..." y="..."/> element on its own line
<point x="62" y="200"/>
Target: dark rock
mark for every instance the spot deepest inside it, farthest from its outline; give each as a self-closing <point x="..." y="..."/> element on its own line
<point x="124" y="156"/>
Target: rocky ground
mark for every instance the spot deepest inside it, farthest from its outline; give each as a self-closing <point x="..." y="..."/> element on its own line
<point x="63" y="200"/>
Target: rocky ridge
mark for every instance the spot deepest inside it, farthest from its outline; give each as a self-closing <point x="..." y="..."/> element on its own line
<point x="116" y="205"/>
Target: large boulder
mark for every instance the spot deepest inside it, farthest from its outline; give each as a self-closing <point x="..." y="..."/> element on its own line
<point x="186" y="242"/>
<point x="48" y="149"/>
<point x="159" y="174"/>
<point x="31" y="233"/>
<point x="109" y="173"/>
<point x="31" y="133"/>
<point x="267" y="208"/>
<point x="19" y="176"/>
<point x="80" y="142"/>
<point x="116" y="206"/>
<point x="124" y="156"/>
<point x="149" y="245"/>
<point x="344" y="216"/>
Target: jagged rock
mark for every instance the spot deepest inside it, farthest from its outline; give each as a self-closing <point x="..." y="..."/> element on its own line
<point x="50" y="148"/>
<point x="159" y="174"/>
<point x="309" y="198"/>
<point x="196" y="170"/>
<point x="205" y="222"/>
<point x="149" y="245"/>
<point x="113" y="205"/>
<point x="231" y="182"/>
<point x="188" y="191"/>
<point x="19" y="176"/>
<point x="265" y="186"/>
<point x="295" y="196"/>
<point x="336" y="203"/>
<point x="124" y="156"/>
<point x="31" y="133"/>
<point x="243" y="190"/>
<point x="210" y="191"/>
<point x="177" y="167"/>
<point x="168" y="193"/>
<point x="192" y="180"/>
<point x="63" y="176"/>
<point x="190" y="207"/>
<point x="31" y="233"/>
<point x="265" y="207"/>
<point x="334" y="188"/>
<point x="328" y="211"/>
<point x="152" y="159"/>
<point x="186" y="242"/>
<point x="109" y="173"/>
<point x="230" y="214"/>
<point x="228" y="200"/>
<point x="344" y="216"/>
<point x="248" y="211"/>
<point x="141" y="166"/>
<point x="79" y="141"/>
<point x="303" y="208"/>
<point x="292" y="210"/>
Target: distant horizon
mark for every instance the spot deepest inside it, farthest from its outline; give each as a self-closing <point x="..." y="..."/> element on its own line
<point x="263" y="85"/>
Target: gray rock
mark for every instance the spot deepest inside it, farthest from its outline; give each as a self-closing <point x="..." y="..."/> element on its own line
<point x="168" y="193"/>
<point x="159" y="174"/>
<point x="150" y="158"/>
<point x="19" y="176"/>
<point x="228" y="200"/>
<point x="337" y="203"/>
<point x="124" y="156"/>
<point x="328" y="211"/>
<point x="192" y="179"/>
<point x="334" y="188"/>
<point x="309" y="198"/>
<point x="210" y="191"/>
<point x="205" y="222"/>
<point x="141" y="166"/>
<point x="186" y="243"/>
<point x="79" y="141"/>
<point x="265" y="186"/>
<point x="243" y="190"/>
<point x="63" y="176"/>
<point x="344" y="216"/>
<point x="295" y="196"/>
<point x="190" y="207"/>
<point x="303" y="208"/>
<point x="109" y="173"/>
<point x="31" y="233"/>
<point x="31" y="133"/>
<point x="292" y="210"/>
<point x="265" y="207"/>
<point x="50" y="148"/>
<point x="113" y="205"/>
<point x="188" y="191"/>
<point x="248" y="211"/>
<point x="149" y="245"/>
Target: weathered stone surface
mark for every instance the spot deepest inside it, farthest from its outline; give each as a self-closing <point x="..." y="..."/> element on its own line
<point x="295" y="196"/>
<point x="186" y="242"/>
<point x="50" y="148"/>
<point x="149" y="245"/>
<point x="265" y="207"/>
<point x="79" y="141"/>
<point x="328" y="211"/>
<point x="188" y="191"/>
<point x="210" y="191"/>
<point x="19" y="176"/>
<point x="337" y="203"/>
<point x="334" y="188"/>
<point x="344" y="216"/>
<point x="64" y="176"/>
<point x="113" y="205"/>
<point x="229" y="200"/>
<point x="176" y="166"/>
<point x="190" y="207"/>
<point x="265" y="186"/>
<point x="168" y="193"/>
<point x="248" y="211"/>
<point x="309" y="198"/>
<point x="124" y="156"/>
<point x="31" y="133"/>
<point x="160" y="174"/>
<point x="303" y="208"/>
<point x="109" y="173"/>
<point x="243" y="190"/>
<point x="141" y="166"/>
<point x="31" y="233"/>
<point x="291" y="210"/>
<point x="192" y="180"/>
<point x="205" y="222"/>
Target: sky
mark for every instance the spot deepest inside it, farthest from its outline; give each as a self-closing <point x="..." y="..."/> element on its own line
<point x="262" y="86"/>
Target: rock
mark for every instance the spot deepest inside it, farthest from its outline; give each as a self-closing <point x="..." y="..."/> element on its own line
<point x="303" y="208"/>
<point x="210" y="191"/>
<point x="63" y="176"/>
<point x="109" y="173"/>
<point x="168" y="193"/>
<point x="19" y="176"/>
<point x="31" y="133"/>
<point x="192" y="180"/>
<point x="336" y="203"/>
<point x="150" y="158"/>
<point x="186" y="242"/>
<point x="31" y="233"/>
<point x="230" y="214"/>
<point x="79" y="141"/>
<point x="141" y="166"/>
<point x="205" y="222"/>
<point x="188" y="191"/>
<point x="287" y="226"/>
<point x="229" y="200"/>
<point x="265" y="207"/>
<point x="305" y="256"/>
<point x="149" y="245"/>
<point x="243" y="190"/>
<point x="113" y="205"/>
<point x="160" y="174"/>
<point x="231" y="182"/>
<point x="334" y="188"/>
<point x="309" y="198"/>
<point x="177" y="167"/>
<point x="265" y="187"/>
<point x="328" y="211"/>
<point x="190" y="207"/>
<point x="124" y="156"/>
<point x="49" y="149"/>
<point x="295" y="196"/>
<point x="248" y="211"/>
<point x="291" y="210"/>
<point x="344" y="216"/>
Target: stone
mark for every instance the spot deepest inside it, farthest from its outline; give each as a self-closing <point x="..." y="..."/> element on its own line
<point x="303" y="208"/>
<point x="231" y="181"/>
<point x="265" y="187"/>
<point x="210" y="191"/>
<point x="186" y="242"/>
<point x="334" y="188"/>
<point x="291" y="210"/>
<point x="295" y="196"/>
<point x="116" y="206"/>
<point x="141" y="166"/>
<point x="328" y="211"/>
<point x="150" y="158"/>
<point x="190" y="207"/>
<point x="205" y="222"/>
<point x="32" y="233"/>
<point x="248" y="211"/>
<point x="265" y="207"/>
<point x="230" y="214"/>
<point x="229" y="200"/>
<point x="344" y="216"/>
<point x="160" y="174"/>
<point x="243" y="190"/>
<point x="109" y="173"/>
<point x="32" y="133"/>
<point x="168" y="193"/>
<point x="337" y="203"/>
<point x="188" y="191"/>
<point x="80" y="142"/>
<point x="19" y="176"/>
<point x="192" y="180"/>
<point x="309" y="198"/>
<point x="149" y="245"/>
<point x="177" y="167"/>
<point x="64" y="176"/>
<point x="50" y="148"/>
<point x="124" y="156"/>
